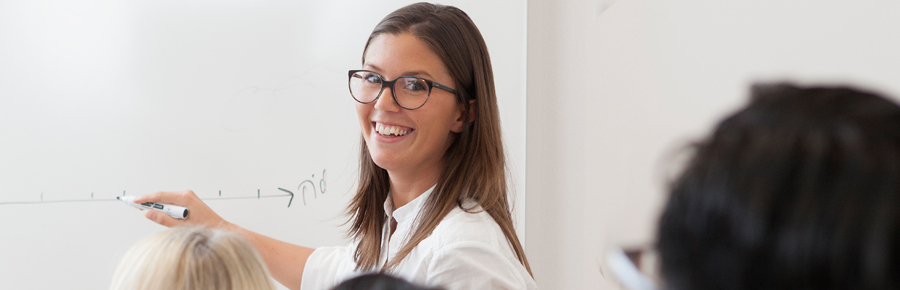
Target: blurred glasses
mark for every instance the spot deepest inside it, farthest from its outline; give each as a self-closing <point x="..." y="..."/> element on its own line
<point x="635" y="269"/>
<point x="412" y="93"/>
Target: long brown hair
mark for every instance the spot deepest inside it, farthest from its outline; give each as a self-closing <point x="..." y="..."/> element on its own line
<point x="475" y="165"/>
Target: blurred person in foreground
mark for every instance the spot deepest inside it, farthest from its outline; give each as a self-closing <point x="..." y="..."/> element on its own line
<point x="798" y="190"/>
<point x="379" y="281"/>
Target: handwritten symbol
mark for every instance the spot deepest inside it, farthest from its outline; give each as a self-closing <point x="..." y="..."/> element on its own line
<point x="292" y="196"/>
<point x="306" y="184"/>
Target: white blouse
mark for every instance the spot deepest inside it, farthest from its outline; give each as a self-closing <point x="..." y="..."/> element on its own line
<point x="465" y="251"/>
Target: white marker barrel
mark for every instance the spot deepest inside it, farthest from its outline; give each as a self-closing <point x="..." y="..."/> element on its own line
<point x="174" y="211"/>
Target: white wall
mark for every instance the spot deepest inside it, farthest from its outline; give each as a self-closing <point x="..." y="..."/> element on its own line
<point x="613" y="92"/>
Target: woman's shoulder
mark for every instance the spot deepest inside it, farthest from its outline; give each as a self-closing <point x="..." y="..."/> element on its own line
<point x="470" y="225"/>
<point x="468" y="250"/>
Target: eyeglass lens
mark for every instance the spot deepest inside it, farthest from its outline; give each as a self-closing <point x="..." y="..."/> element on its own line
<point x="409" y="92"/>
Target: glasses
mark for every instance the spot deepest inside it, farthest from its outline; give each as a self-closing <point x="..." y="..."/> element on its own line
<point x="367" y="86"/>
<point x="636" y="269"/>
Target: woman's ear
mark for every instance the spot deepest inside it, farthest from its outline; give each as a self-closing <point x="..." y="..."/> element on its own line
<point x="460" y="121"/>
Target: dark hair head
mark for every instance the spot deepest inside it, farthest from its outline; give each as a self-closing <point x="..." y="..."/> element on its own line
<point x="379" y="281"/>
<point x="798" y="190"/>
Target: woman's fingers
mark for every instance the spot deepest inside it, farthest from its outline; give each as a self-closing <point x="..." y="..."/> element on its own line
<point x="163" y="219"/>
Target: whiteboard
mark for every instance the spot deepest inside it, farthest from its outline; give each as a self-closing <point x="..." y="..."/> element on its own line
<point x="232" y="99"/>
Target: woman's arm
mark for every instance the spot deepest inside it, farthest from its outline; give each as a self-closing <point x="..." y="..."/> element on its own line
<point x="285" y="261"/>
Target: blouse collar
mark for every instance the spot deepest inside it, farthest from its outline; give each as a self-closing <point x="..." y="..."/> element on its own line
<point x="408" y="211"/>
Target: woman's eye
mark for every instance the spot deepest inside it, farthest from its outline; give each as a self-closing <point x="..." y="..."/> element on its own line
<point x="372" y="78"/>
<point x="415" y="85"/>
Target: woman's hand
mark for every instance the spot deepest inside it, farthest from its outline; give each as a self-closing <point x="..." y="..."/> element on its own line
<point x="198" y="212"/>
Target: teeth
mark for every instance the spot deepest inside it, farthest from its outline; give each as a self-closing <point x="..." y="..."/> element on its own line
<point x="390" y="130"/>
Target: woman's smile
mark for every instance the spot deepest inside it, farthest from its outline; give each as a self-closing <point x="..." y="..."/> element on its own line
<point x="390" y="133"/>
<point x="388" y="130"/>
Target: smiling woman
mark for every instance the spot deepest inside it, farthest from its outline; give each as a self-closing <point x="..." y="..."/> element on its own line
<point x="431" y="205"/>
<point x="432" y="160"/>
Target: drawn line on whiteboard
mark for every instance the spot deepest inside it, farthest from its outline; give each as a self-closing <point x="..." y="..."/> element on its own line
<point x="302" y="187"/>
<point x="113" y="199"/>
<point x="55" y="201"/>
<point x="249" y="197"/>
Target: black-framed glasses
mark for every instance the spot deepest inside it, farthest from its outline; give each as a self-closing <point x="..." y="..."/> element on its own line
<point x="367" y="86"/>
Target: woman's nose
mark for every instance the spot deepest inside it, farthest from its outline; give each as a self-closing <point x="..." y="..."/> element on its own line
<point x="386" y="101"/>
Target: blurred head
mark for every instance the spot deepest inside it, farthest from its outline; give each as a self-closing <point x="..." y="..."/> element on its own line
<point x="379" y="281"/>
<point x="456" y="134"/>
<point x="192" y="258"/>
<point x="798" y="190"/>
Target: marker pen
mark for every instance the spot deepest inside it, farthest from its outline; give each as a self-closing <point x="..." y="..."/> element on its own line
<point x="174" y="211"/>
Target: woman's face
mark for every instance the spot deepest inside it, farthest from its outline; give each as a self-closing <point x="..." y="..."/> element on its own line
<point x="429" y="129"/>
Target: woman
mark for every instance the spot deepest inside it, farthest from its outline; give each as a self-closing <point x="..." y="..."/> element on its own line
<point x="192" y="258"/>
<point x="431" y="206"/>
<point x="798" y="190"/>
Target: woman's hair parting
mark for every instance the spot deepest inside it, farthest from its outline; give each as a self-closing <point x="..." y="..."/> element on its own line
<point x="192" y="258"/>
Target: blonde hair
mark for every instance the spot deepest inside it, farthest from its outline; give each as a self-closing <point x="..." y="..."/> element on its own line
<point x="475" y="165"/>
<point x="192" y="258"/>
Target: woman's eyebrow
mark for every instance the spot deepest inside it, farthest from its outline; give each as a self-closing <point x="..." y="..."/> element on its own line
<point x="418" y="73"/>
<point x="406" y="73"/>
<point x="372" y="66"/>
